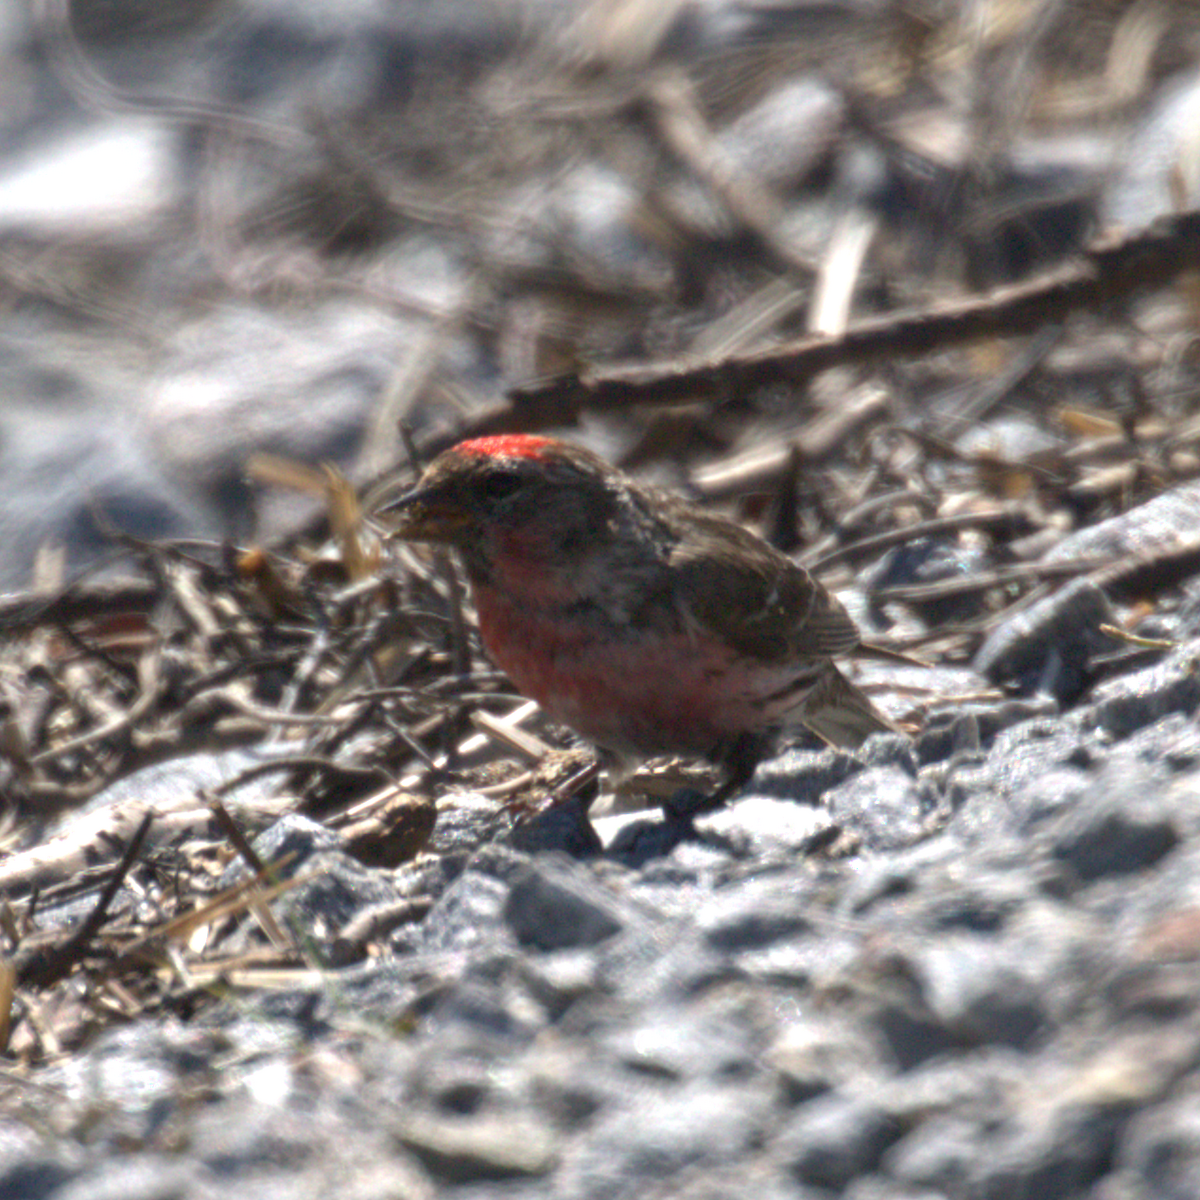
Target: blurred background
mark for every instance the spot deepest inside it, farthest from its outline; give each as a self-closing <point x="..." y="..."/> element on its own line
<point x="285" y="226"/>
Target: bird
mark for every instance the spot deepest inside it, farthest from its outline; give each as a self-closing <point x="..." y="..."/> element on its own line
<point x="645" y="624"/>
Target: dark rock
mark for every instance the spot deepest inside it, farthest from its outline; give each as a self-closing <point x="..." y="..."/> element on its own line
<point x="927" y="560"/>
<point x="1132" y="702"/>
<point x="636" y="841"/>
<point x="34" y="1177"/>
<point x="1049" y="647"/>
<point x="1054" y="1155"/>
<point x="563" y="827"/>
<point x="976" y="994"/>
<point x="834" y="1138"/>
<point x="913" y="1035"/>
<point x="553" y="907"/>
<point x="1118" y="825"/>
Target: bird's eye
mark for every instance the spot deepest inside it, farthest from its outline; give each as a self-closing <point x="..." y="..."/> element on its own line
<point x="501" y="484"/>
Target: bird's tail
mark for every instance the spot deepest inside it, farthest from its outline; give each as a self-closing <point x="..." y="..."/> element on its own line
<point x="841" y="714"/>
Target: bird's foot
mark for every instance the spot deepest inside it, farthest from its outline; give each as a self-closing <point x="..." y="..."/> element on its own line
<point x="683" y="804"/>
<point x="686" y="804"/>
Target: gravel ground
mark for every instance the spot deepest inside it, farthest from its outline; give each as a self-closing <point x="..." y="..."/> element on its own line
<point x="972" y="971"/>
<point x="959" y="966"/>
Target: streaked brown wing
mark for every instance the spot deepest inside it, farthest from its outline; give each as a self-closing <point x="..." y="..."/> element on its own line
<point x="755" y="598"/>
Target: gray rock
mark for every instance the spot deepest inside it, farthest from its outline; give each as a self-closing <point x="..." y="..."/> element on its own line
<point x="784" y="136"/>
<point x="1055" y="1154"/>
<point x="66" y="485"/>
<point x="765" y="828"/>
<point x="804" y="775"/>
<point x="884" y="807"/>
<point x="662" y="960"/>
<point x="334" y="888"/>
<point x="968" y="727"/>
<point x="834" y="1138"/>
<point x="1133" y="701"/>
<point x="132" y="1177"/>
<point x="940" y="1153"/>
<point x="1159" y="1151"/>
<point x="660" y="1137"/>
<point x="1158" y="174"/>
<point x="756" y="913"/>
<point x="552" y="906"/>
<point x="721" y="1046"/>
<point x="1157" y="524"/>
<point x="491" y="1148"/>
<point x="470" y="912"/>
<point x="976" y="994"/>
<point x="1117" y="825"/>
<point x="1049" y="646"/>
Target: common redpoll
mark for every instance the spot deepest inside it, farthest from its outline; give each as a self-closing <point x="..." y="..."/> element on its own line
<point x="646" y="625"/>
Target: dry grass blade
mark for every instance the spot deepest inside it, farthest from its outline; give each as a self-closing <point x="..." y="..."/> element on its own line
<point x="44" y="967"/>
<point x="508" y="731"/>
<point x="8" y="993"/>
<point x="179" y="929"/>
<point x="1141" y="643"/>
<point x="266" y="919"/>
<point x="275" y="471"/>
<point x="265" y="978"/>
<point x="345" y="519"/>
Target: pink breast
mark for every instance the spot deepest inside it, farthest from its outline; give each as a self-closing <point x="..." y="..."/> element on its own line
<point x="637" y="695"/>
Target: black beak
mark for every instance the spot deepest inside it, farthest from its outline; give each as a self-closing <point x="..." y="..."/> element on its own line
<point x="400" y="503"/>
<point x="424" y="516"/>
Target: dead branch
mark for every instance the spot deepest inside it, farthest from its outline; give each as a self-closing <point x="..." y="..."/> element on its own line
<point x="1111" y="269"/>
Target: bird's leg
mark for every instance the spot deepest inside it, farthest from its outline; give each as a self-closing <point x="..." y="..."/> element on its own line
<point x="576" y="782"/>
<point x="739" y="760"/>
<point x="585" y="777"/>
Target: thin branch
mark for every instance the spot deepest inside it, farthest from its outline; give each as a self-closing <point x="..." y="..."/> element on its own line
<point x="1111" y="269"/>
<point x="46" y="966"/>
